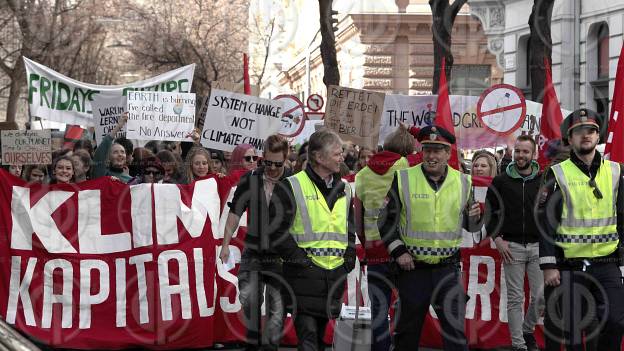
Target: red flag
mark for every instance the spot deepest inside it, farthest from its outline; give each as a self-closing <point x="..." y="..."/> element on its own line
<point x="614" y="150"/>
<point x="73" y="133"/>
<point x="246" y="74"/>
<point x="551" y="117"/>
<point x="444" y="115"/>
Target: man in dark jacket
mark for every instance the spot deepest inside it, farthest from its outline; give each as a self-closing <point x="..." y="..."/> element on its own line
<point x="312" y="230"/>
<point x="511" y="199"/>
<point x="260" y="264"/>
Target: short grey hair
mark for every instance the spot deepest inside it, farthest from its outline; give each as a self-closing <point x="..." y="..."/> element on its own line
<point x="320" y="142"/>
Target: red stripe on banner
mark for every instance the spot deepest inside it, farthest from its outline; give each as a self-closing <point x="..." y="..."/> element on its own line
<point x="501" y="109"/>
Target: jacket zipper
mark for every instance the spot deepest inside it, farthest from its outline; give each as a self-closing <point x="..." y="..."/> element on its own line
<point x="523" y="213"/>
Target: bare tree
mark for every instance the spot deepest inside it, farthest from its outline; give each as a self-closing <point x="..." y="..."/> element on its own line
<point x="210" y="33"/>
<point x="331" y="74"/>
<point x="262" y="32"/>
<point x="540" y="45"/>
<point x="443" y="16"/>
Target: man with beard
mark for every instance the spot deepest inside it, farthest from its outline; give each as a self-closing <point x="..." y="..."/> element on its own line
<point x="581" y="216"/>
<point x="421" y="227"/>
<point x="511" y="199"/>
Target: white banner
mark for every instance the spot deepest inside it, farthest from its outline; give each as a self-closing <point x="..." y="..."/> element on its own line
<point x="56" y="97"/>
<point x="22" y="147"/>
<point x="471" y="133"/>
<point x="106" y="112"/>
<point x="160" y="116"/>
<point x="234" y="119"/>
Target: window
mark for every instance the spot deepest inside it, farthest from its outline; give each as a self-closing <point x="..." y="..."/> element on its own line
<point x="603" y="51"/>
<point x="470" y="79"/>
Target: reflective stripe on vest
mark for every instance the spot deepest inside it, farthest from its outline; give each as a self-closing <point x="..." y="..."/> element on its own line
<point x="431" y="221"/>
<point x="588" y="226"/>
<point x="323" y="240"/>
<point x="371" y="188"/>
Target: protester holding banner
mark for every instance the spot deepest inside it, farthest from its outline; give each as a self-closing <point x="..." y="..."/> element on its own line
<point x="421" y="227"/>
<point x="110" y="158"/>
<point x="198" y="163"/>
<point x="82" y="165"/>
<point x="62" y="170"/>
<point x="312" y="230"/>
<point x="511" y="200"/>
<point x="15" y="170"/>
<point x="582" y="216"/>
<point x="151" y="170"/>
<point x="260" y="263"/>
<point x="35" y="173"/>
<point x="371" y="186"/>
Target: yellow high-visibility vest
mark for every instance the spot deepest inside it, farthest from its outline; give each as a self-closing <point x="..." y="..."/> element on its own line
<point x="371" y="188"/>
<point x="431" y="221"/>
<point x="588" y="226"/>
<point x="321" y="232"/>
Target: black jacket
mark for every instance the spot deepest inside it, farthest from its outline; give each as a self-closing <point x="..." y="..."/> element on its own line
<point x="510" y="204"/>
<point x="318" y="291"/>
<point x="549" y="214"/>
<point x="249" y="196"/>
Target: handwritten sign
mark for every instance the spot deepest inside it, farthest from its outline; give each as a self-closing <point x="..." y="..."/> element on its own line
<point x="234" y="119"/>
<point x="160" y="116"/>
<point x="354" y="114"/>
<point x="26" y="147"/>
<point x="106" y="113"/>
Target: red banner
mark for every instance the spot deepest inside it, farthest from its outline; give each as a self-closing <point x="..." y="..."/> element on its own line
<point x="101" y="264"/>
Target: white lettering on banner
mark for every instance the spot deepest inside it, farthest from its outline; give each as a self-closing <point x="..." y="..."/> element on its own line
<point x="141" y="215"/>
<point x="20" y="293"/>
<point x="38" y="220"/>
<point x="482" y="290"/>
<point x="169" y="207"/>
<point x="86" y="299"/>
<point x="90" y="238"/>
<point x="502" y="304"/>
<point x="200" y="288"/>
<point x="140" y="261"/>
<point x="224" y="301"/>
<point x="167" y="289"/>
<point x="120" y="292"/>
<point x="50" y="298"/>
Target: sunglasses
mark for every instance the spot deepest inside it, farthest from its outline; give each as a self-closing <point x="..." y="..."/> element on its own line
<point x="597" y="192"/>
<point x="251" y="158"/>
<point x="271" y="163"/>
<point x="153" y="173"/>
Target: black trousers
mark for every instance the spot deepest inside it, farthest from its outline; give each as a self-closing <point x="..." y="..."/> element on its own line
<point x="310" y="331"/>
<point x="440" y="287"/>
<point x="586" y="308"/>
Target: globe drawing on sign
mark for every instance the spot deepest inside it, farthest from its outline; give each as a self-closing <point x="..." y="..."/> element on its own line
<point x="178" y="106"/>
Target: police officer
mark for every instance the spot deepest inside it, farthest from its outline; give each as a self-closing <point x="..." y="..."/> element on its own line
<point x="313" y="231"/>
<point x="422" y="229"/>
<point x="581" y="214"/>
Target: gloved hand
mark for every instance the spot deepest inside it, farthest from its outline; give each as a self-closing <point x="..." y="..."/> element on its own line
<point x="349" y="258"/>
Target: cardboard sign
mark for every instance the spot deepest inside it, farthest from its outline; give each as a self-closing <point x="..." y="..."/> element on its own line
<point x="26" y="147"/>
<point x="234" y="119"/>
<point x="354" y="114"/>
<point x="160" y="116"/>
<point x="107" y="110"/>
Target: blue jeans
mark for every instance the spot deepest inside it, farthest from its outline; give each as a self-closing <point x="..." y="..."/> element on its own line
<point x="381" y="281"/>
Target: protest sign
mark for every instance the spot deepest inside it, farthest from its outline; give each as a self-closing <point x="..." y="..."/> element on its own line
<point x="234" y="119"/>
<point x="56" y="97"/>
<point x="107" y="110"/>
<point x="22" y="147"/>
<point x="354" y="114"/>
<point x="160" y="116"/>
<point x="420" y="111"/>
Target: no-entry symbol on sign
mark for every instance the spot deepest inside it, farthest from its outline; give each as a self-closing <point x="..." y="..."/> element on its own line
<point x="502" y="109"/>
<point x="293" y="118"/>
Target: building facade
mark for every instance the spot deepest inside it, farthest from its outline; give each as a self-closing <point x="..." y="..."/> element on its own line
<point x="384" y="46"/>
<point x="587" y="38"/>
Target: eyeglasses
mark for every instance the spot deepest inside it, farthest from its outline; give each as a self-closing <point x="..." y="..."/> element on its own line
<point x="267" y="163"/>
<point x="597" y="192"/>
<point x="152" y="173"/>
<point x="251" y="158"/>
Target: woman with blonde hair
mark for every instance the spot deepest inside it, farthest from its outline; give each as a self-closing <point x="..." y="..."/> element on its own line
<point x="198" y="163"/>
<point x="484" y="164"/>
